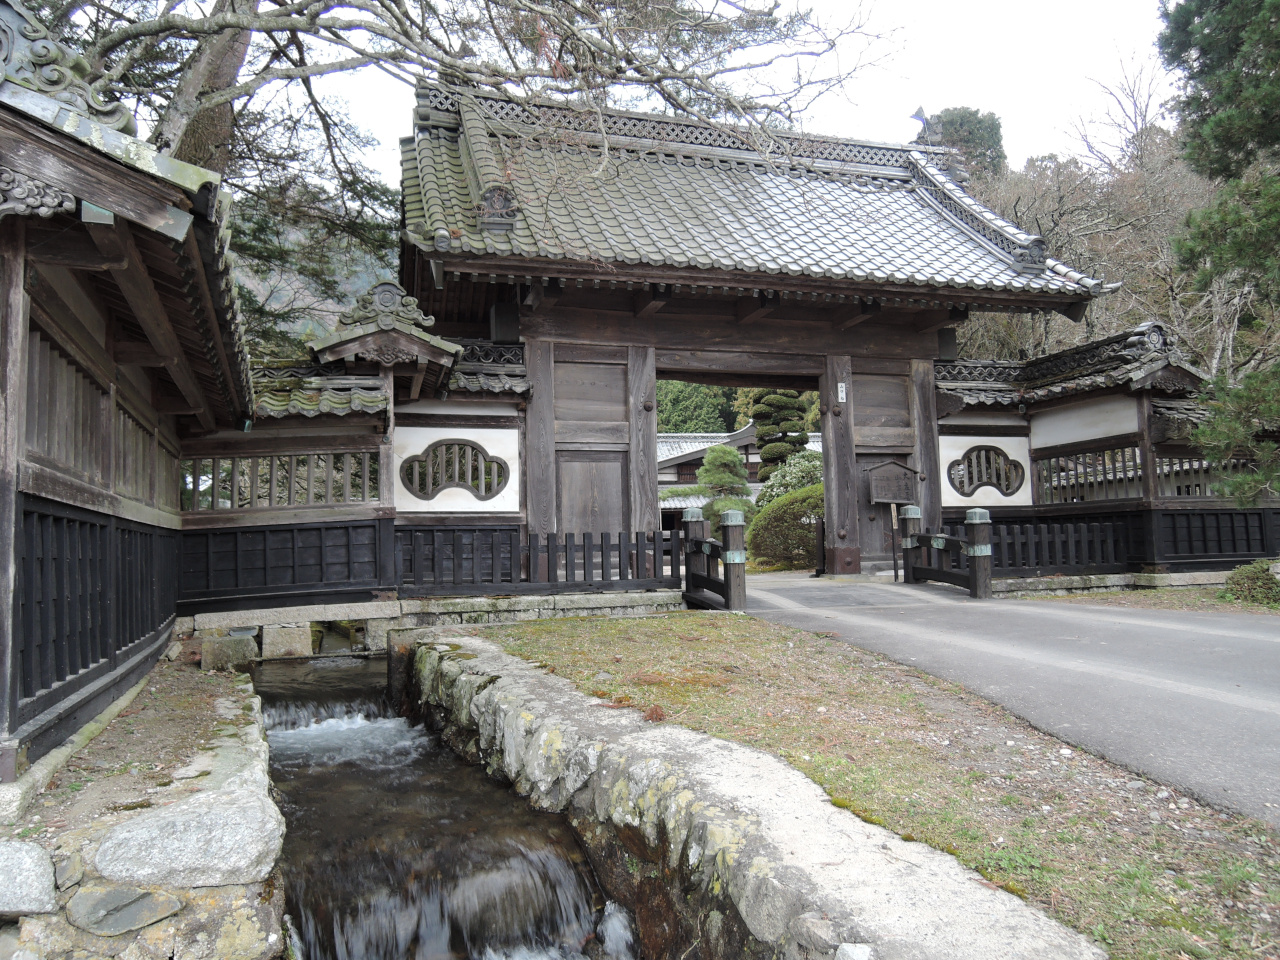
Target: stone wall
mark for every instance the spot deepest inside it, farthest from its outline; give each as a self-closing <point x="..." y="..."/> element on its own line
<point x="720" y="850"/>
<point x="382" y="616"/>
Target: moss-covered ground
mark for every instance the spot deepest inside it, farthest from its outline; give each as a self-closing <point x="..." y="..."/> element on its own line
<point x="1147" y="872"/>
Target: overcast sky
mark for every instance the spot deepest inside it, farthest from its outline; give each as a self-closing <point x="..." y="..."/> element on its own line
<point x="1032" y="64"/>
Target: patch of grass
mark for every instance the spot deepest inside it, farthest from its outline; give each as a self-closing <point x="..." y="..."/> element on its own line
<point x="934" y="763"/>
<point x="1205" y="599"/>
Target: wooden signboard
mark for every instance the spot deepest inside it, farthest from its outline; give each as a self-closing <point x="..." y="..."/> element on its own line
<point x="892" y="482"/>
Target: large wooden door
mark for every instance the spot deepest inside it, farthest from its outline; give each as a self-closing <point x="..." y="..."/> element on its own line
<point x="592" y="440"/>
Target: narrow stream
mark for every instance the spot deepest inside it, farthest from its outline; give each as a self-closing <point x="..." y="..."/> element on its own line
<point x="397" y="849"/>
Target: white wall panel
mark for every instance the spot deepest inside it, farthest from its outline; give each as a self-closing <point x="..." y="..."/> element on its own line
<point x="951" y="449"/>
<point x="1090" y="420"/>
<point x="412" y="441"/>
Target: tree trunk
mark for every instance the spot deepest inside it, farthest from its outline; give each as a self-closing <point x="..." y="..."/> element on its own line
<point x="199" y="135"/>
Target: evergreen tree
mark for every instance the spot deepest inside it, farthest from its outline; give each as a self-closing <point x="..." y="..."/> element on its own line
<point x="723" y="478"/>
<point x="976" y="135"/>
<point x="779" y="416"/>
<point x="1244" y="423"/>
<point x="693" y="408"/>
<point x="1228" y="52"/>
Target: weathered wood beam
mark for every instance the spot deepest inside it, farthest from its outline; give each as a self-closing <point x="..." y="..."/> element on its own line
<point x="853" y="313"/>
<point x="115" y="241"/>
<point x="540" y="299"/>
<point x="749" y="309"/>
<point x="139" y="355"/>
<point x="13" y="396"/>
<point x="175" y="405"/>
<point x="934" y="320"/>
<point x="415" y="387"/>
<point x="201" y="265"/>
<point x="64" y="248"/>
<point x="647" y="302"/>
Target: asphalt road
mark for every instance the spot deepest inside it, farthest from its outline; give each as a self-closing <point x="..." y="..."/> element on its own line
<point x="1189" y="699"/>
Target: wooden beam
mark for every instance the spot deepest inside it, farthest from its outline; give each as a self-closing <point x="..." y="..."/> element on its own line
<point x="415" y="388"/>
<point x="647" y="302"/>
<point x="201" y="267"/>
<point x="931" y="321"/>
<point x="67" y="248"/>
<point x="839" y="467"/>
<point x="179" y="406"/>
<point x="540" y="299"/>
<point x="116" y="241"/>
<point x="749" y="309"/>
<point x="139" y="355"/>
<point x="853" y="313"/>
<point x="13" y="397"/>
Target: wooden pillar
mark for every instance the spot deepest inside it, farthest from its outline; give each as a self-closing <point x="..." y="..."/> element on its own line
<point x="839" y="467"/>
<point x="924" y="411"/>
<point x="977" y="524"/>
<point x="695" y="528"/>
<point x="909" y="519"/>
<point x="13" y="395"/>
<point x="734" y="559"/>
<point x="642" y="395"/>
<point x="540" y="440"/>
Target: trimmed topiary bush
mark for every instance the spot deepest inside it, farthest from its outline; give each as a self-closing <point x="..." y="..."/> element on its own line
<point x="783" y="533"/>
<point x="1253" y="583"/>
<point x="780" y="431"/>
<point x="723" y="477"/>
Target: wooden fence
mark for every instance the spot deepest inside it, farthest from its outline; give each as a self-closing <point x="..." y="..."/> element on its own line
<point x="91" y="592"/>
<point x="715" y="569"/>
<point x="438" y="561"/>
<point x="1045" y="549"/>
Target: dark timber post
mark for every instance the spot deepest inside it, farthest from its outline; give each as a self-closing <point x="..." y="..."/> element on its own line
<point x="734" y="558"/>
<point x="909" y="519"/>
<point x="977" y="523"/>
<point x="924" y="412"/>
<point x="695" y="528"/>
<point x="843" y="546"/>
<point x="13" y="394"/>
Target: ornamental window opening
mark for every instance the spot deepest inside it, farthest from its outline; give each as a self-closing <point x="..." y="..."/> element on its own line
<point x="1111" y="474"/>
<point x="982" y="467"/>
<point x="460" y="464"/>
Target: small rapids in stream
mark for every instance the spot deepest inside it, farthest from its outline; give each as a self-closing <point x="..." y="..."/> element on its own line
<point x="397" y="849"/>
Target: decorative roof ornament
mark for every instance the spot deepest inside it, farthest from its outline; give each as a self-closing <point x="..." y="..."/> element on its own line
<point x="33" y="59"/>
<point x="24" y="195"/>
<point x="383" y="305"/>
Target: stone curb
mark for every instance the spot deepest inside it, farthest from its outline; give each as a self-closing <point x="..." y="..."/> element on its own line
<point x="1061" y="586"/>
<point x="808" y="879"/>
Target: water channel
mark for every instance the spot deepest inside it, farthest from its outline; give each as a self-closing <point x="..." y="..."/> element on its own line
<point x="397" y="849"/>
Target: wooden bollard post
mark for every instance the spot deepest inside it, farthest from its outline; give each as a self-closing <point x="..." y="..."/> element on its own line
<point x="977" y="524"/>
<point x="695" y="528"/>
<point x="734" y="556"/>
<point x="399" y="666"/>
<point x="909" y="520"/>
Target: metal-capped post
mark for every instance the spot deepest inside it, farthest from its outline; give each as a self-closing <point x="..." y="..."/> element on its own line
<point x="977" y="523"/>
<point x="695" y="528"/>
<point x="734" y="557"/>
<point x="909" y="518"/>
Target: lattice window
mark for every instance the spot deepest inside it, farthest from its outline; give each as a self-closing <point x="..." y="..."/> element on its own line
<point x="454" y="463"/>
<point x="1192" y="476"/>
<point x="1114" y="474"/>
<point x="985" y="467"/>
<point x="284" y="480"/>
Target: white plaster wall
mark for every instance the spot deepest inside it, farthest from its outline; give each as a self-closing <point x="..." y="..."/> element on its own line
<point x="411" y="441"/>
<point x="1089" y="420"/>
<point x="953" y="448"/>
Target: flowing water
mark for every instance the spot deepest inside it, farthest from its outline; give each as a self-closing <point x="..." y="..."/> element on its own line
<point x="397" y="849"/>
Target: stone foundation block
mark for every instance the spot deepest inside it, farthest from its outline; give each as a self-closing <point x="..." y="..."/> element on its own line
<point x="227" y="653"/>
<point x="286" y="640"/>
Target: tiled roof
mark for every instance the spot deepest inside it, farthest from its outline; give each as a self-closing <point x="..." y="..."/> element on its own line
<point x="672" y="446"/>
<point x="478" y="180"/>
<point x="1119" y="360"/>
<point x="308" y="390"/>
<point x="486" y="367"/>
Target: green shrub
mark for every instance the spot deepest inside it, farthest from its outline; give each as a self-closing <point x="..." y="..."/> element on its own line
<point x="1254" y="583"/>
<point x="783" y="532"/>
<point x="760" y="412"/>
<point x="775" y="451"/>
<point x="792" y="426"/>
<point x="714" y="510"/>
<point x="802" y="469"/>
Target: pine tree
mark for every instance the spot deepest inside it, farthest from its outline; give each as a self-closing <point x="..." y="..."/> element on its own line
<point x="779" y="416"/>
